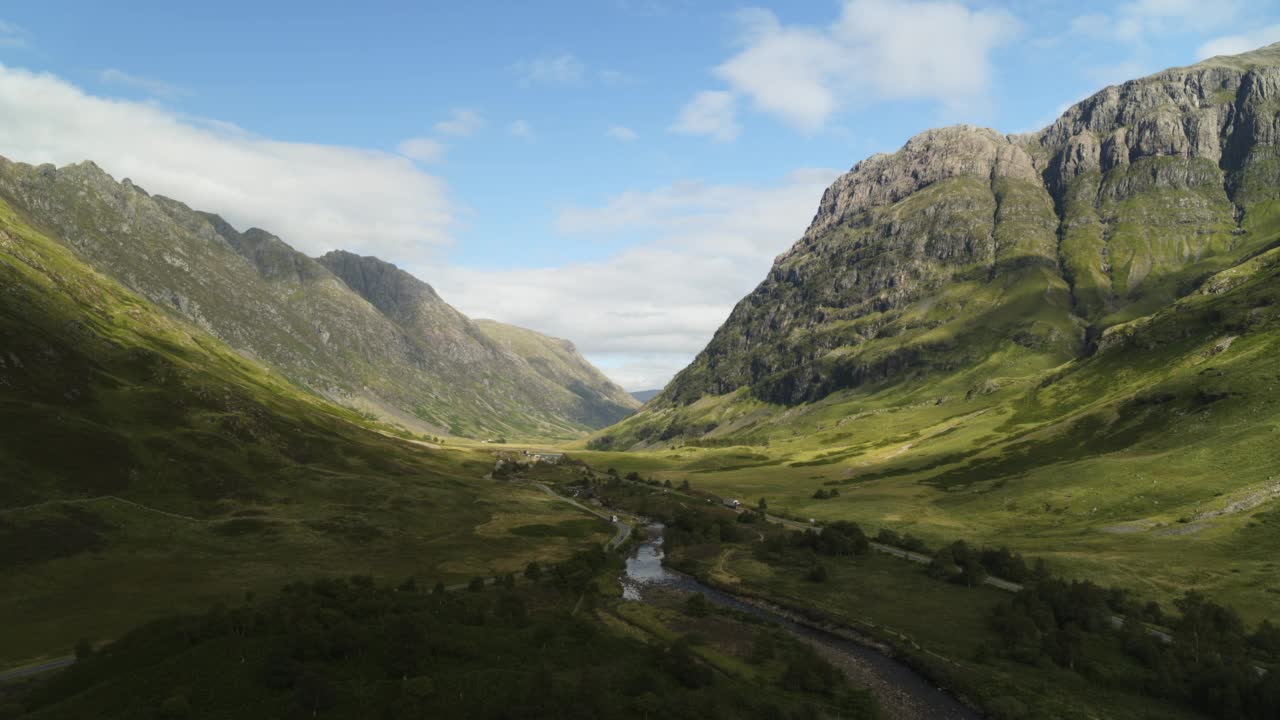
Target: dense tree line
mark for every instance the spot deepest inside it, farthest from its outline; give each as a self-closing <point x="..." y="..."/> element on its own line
<point x="354" y="648"/>
<point x="1206" y="659"/>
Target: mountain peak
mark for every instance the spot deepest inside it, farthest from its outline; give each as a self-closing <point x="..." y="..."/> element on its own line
<point x="967" y="243"/>
<point x="395" y="292"/>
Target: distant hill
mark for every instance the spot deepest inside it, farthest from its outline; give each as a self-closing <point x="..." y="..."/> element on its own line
<point x="645" y="396"/>
<point x="355" y="330"/>
<point x="601" y="401"/>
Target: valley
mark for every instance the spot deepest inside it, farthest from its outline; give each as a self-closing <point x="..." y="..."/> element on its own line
<point x="998" y="435"/>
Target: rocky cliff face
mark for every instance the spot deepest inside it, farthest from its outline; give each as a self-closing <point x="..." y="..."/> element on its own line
<point x="971" y="252"/>
<point x="356" y="330"/>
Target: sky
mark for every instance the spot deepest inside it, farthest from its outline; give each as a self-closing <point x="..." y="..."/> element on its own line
<point x="615" y="172"/>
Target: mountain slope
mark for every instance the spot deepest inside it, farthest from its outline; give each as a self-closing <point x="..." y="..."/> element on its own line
<point x="645" y="396"/>
<point x="419" y="363"/>
<point x="147" y="468"/>
<point x="602" y="401"/>
<point x="1079" y="362"/>
<point x="971" y="259"/>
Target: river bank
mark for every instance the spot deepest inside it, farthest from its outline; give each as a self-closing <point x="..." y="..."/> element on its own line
<point x="902" y="691"/>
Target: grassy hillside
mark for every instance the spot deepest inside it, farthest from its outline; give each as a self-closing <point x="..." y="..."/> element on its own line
<point x="357" y="331"/>
<point x="1151" y="464"/>
<point x="1064" y="340"/>
<point x="599" y="401"/>
<point x="146" y="468"/>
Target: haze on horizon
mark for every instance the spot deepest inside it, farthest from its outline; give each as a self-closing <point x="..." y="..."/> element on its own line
<point x="581" y="182"/>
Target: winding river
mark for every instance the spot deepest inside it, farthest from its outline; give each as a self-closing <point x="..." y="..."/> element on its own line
<point x="903" y="693"/>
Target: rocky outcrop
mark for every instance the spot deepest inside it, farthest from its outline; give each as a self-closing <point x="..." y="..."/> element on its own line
<point x="967" y="244"/>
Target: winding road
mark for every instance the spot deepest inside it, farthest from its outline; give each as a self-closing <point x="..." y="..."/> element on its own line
<point x="29" y="670"/>
<point x="624" y="529"/>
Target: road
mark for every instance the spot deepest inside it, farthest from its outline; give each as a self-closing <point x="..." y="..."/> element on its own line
<point x="995" y="582"/>
<point x="624" y="529"/>
<point x="29" y="670"/>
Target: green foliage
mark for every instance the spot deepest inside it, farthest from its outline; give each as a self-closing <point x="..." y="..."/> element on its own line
<point x="697" y="605"/>
<point x="339" y="648"/>
<point x="817" y="574"/>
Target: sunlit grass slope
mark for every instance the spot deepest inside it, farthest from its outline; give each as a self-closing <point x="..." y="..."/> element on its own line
<point x="1153" y="463"/>
<point x="146" y="469"/>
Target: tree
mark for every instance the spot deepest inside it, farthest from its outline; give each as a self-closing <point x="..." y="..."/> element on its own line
<point x="476" y="584"/>
<point x="820" y="494"/>
<point x="680" y="662"/>
<point x="943" y="565"/>
<point x="83" y="648"/>
<point x="762" y="506"/>
<point x="697" y="605"/>
<point x="533" y="571"/>
<point x="279" y="671"/>
<point x="764" y="647"/>
<point x="818" y="574"/>
<point x="175" y="707"/>
<point x="888" y="537"/>
<point x="633" y="476"/>
<point x="1266" y="639"/>
<point x="685" y="487"/>
<point x="972" y="573"/>
<point x="415" y="695"/>
<point x="314" y="693"/>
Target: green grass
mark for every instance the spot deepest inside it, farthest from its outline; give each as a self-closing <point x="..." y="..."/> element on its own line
<point x="940" y="626"/>
<point x="1115" y="467"/>
<point x="148" y="469"/>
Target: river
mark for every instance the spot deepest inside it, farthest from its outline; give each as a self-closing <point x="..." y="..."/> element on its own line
<point x="903" y="693"/>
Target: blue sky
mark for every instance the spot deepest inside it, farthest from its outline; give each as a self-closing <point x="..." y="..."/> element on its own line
<point x="615" y="172"/>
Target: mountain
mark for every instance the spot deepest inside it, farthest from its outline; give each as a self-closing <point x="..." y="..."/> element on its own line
<point x="970" y="259"/>
<point x="602" y="402"/>
<point x="1065" y="342"/>
<point x="645" y="396"/>
<point x="355" y="330"/>
<point x="148" y="468"/>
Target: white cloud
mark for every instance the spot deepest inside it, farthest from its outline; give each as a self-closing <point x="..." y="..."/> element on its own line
<point x="316" y="197"/>
<point x="1236" y="44"/>
<point x="710" y="112"/>
<point x="1132" y="21"/>
<point x="644" y="312"/>
<point x="563" y="69"/>
<point x="876" y="50"/>
<point x="423" y="149"/>
<point x="520" y="129"/>
<point x="461" y="122"/>
<point x="150" y="86"/>
<point x="623" y="133"/>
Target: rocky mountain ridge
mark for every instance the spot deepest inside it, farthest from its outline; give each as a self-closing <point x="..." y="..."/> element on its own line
<point x="355" y="330"/>
<point x="968" y="245"/>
